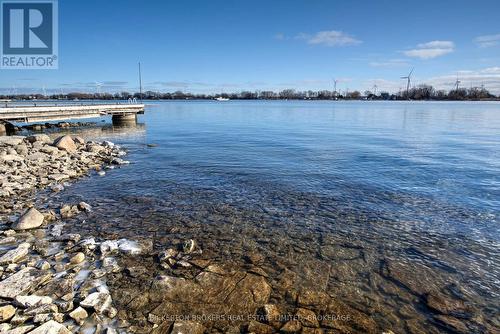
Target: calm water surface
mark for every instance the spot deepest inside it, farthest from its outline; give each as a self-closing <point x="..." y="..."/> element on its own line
<point x="330" y="191"/>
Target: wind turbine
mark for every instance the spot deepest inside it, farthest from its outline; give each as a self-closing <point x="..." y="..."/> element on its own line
<point x="98" y="86"/>
<point x="457" y="83"/>
<point x="408" y="78"/>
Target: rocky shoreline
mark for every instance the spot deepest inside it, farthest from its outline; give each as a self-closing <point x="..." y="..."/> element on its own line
<point x="53" y="282"/>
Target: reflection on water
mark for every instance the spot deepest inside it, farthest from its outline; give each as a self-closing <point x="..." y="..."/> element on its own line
<point x="382" y="203"/>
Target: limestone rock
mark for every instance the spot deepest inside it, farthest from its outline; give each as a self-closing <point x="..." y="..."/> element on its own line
<point x="99" y="301"/>
<point x="39" y="138"/>
<point x="259" y="328"/>
<point x="293" y="326"/>
<point x="51" y="327"/>
<point x="15" y="255"/>
<point x="22" y="282"/>
<point x="32" y="300"/>
<point x="30" y="219"/>
<point x="307" y="317"/>
<point x="6" y="312"/>
<point x="184" y="327"/>
<point x="11" y="140"/>
<point x="77" y="258"/>
<point x="65" y="143"/>
<point x="79" y="314"/>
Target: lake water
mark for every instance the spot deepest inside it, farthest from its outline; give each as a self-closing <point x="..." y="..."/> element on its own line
<point x="345" y="196"/>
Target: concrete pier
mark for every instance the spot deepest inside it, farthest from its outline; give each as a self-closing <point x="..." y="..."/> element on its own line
<point x="121" y="113"/>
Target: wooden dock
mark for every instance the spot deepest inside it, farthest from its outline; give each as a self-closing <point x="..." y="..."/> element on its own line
<point x="46" y="113"/>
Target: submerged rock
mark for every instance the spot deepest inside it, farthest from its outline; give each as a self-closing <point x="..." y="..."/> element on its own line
<point x="30" y="219"/>
<point x="184" y="327"/>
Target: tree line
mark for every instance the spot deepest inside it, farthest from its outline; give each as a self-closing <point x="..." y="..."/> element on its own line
<point x="421" y="92"/>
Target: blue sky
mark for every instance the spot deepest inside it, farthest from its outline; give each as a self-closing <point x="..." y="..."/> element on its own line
<point x="213" y="46"/>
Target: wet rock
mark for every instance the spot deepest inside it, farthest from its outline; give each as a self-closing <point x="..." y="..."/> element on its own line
<point x="77" y="258"/>
<point x="22" y="282"/>
<point x="6" y="312"/>
<point x="184" y="327"/>
<point x="40" y="309"/>
<point x="30" y="219"/>
<point x="189" y="246"/>
<point x="448" y="306"/>
<point x="15" y="255"/>
<point x="65" y="143"/>
<point x="129" y="247"/>
<point x="272" y="314"/>
<point x="99" y="301"/>
<point x="451" y="323"/>
<point x="313" y="298"/>
<point x="84" y="207"/>
<point x="259" y="328"/>
<point x="307" y="317"/>
<point x="32" y="300"/>
<point x="79" y="315"/>
<point x="108" y="246"/>
<point x="68" y="211"/>
<point x="51" y="327"/>
<point x="58" y="288"/>
<point x="292" y="326"/>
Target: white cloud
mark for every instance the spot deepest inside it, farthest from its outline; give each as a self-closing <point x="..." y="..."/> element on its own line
<point x="431" y="49"/>
<point x="487" y="41"/>
<point x="329" y="38"/>
<point x="389" y="63"/>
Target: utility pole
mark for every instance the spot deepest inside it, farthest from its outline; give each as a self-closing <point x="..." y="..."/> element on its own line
<point x="140" y="82"/>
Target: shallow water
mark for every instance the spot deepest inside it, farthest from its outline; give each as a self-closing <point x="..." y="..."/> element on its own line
<point x="331" y="192"/>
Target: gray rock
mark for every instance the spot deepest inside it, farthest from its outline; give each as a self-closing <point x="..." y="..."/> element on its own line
<point x="183" y="327"/>
<point x="51" y="327"/>
<point x="99" y="301"/>
<point x="43" y="138"/>
<point x="7" y="312"/>
<point x="15" y="255"/>
<point x="32" y="300"/>
<point x="84" y="207"/>
<point x="40" y="309"/>
<point x="79" y="315"/>
<point x="65" y="143"/>
<point x="77" y="258"/>
<point x="30" y="219"/>
<point x="22" y="282"/>
<point x="11" y="140"/>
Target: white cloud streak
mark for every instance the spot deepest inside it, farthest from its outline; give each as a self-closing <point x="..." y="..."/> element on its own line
<point x="487" y="41"/>
<point x="431" y="49"/>
<point x="330" y="38"/>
